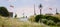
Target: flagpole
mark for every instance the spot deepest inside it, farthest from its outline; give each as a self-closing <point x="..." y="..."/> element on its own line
<point x="34" y="10"/>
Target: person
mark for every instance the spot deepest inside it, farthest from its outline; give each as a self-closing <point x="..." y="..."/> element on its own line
<point x="15" y="15"/>
<point x="26" y="16"/>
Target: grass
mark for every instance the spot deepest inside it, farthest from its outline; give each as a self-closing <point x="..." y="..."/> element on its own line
<point x="13" y="22"/>
<point x="54" y="26"/>
<point x="57" y="16"/>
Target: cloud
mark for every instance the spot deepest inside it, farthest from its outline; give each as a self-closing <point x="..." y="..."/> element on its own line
<point x="11" y="0"/>
<point x="46" y="0"/>
<point x="50" y="0"/>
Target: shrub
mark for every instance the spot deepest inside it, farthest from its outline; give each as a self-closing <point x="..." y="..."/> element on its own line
<point x="55" y="19"/>
<point x="38" y="17"/>
<point x="49" y="20"/>
<point x="58" y="24"/>
<point x="44" y="21"/>
<point x="4" y="12"/>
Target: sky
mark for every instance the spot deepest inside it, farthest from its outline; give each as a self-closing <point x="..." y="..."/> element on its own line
<point x="27" y="6"/>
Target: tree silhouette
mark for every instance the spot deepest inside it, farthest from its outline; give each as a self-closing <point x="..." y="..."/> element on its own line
<point x="4" y="12"/>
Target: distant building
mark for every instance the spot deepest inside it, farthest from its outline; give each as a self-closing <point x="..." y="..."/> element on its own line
<point x="11" y="14"/>
<point x="57" y="13"/>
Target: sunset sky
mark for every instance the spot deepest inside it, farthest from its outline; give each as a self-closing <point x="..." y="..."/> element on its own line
<point x="27" y="6"/>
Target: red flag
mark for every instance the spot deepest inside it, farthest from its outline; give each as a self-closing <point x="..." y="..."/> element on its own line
<point x="11" y="6"/>
<point x="50" y="8"/>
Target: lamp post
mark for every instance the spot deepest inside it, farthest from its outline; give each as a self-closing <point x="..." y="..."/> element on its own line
<point x="40" y="7"/>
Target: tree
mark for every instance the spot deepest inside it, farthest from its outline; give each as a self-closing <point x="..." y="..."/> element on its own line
<point x="4" y="12"/>
<point x="38" y="17"/>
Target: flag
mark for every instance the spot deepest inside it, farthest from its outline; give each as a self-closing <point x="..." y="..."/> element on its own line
<point x="50" y="8"/>
<point x="11" y="6"/>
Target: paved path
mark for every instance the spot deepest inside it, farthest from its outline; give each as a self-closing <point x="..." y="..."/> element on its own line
<point x="23" y="19"/>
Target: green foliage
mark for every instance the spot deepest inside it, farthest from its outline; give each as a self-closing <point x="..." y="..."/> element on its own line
<point x="55" y="19"/>
<point x="39" y="17"/>
<point x="4" y="12"/>
<point x="49" y="20"/>
<point x="44" y="21"/>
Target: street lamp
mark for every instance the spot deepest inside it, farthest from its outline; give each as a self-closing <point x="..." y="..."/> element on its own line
<point x="40" y="7"/>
